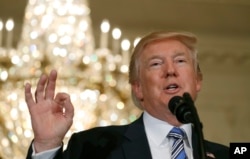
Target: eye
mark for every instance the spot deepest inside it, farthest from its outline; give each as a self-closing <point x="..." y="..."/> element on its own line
<point x="155" y="63"/>
<point x="180" y="60"/>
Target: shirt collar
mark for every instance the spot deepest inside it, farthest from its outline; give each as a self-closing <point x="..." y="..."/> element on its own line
<point x="157" y="130"/>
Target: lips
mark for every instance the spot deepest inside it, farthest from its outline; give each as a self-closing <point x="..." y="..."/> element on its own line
<point x="172" y="88"/>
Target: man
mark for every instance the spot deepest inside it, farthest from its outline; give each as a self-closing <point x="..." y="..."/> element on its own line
<point x="163" y="65"/>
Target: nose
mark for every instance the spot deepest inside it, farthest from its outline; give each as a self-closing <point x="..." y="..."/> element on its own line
<point x="170" y="70"/>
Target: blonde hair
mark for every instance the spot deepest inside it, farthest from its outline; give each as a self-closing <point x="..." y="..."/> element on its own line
<point x="188" y="39"/>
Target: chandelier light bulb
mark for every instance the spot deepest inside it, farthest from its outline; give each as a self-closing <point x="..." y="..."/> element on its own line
<point x="9" y="24"/>
<point x="105" y="26"/>
<point x="1" y="25"/>
<point x="125" y="44"/>
<point x="116" y="33"/>
<point x="136" y="41"/>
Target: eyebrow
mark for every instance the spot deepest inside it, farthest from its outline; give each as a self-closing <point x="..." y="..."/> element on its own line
<point x="152" y="58"/>
<point x="178" y="53"/>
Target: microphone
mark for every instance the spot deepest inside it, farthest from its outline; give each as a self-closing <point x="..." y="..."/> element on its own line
<point x="184" y="110"/>
<point x="181" y="109"/>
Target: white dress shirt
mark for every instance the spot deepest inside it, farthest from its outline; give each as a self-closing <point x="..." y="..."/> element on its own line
<point x="49" y="154"/>
<point x="156" y="131"/>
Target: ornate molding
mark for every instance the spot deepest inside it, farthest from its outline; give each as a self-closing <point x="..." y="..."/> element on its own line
<point x="225" y="56"/>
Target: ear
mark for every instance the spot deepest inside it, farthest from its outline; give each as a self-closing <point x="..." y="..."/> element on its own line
<point x="136" y="88"/>
<point x="198" y="82"/>
<point x="199" y="77"/>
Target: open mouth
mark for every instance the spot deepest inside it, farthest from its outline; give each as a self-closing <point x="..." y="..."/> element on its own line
<point x="172" y="87"/>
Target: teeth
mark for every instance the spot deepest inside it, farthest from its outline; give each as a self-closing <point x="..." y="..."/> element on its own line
<point x="173" y="86"/>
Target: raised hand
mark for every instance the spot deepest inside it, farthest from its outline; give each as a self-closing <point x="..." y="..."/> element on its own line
<point x="51" y="115"/>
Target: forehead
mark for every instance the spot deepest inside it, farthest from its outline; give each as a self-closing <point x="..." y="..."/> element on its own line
<point x="160" y="46"/>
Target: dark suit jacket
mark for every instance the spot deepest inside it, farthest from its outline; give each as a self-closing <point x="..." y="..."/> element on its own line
<point x="121" y="142"/>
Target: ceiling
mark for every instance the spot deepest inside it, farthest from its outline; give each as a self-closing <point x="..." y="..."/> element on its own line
<point x="136" y="17"/>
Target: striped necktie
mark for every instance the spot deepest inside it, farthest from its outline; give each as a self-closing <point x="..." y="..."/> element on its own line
<point x="178" y="146"/>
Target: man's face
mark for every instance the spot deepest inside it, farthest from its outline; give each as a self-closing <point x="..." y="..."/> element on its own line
<point x="166" y="70"/>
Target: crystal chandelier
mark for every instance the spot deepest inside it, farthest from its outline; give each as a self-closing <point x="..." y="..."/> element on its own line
<point x="57" y="34"/>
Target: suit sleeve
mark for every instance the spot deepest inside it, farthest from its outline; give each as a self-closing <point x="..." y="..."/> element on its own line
<point x="50" y="154"/>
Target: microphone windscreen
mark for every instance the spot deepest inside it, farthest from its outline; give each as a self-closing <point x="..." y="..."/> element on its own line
<point x="180" y="108"/>
<point x="174" y="103"/>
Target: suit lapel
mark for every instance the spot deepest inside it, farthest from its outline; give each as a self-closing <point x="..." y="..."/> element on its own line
<point x="137" y="144"/>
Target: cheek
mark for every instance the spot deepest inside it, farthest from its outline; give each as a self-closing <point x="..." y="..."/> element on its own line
<point x="194" y="84"/>
<point x="149" y="83"/>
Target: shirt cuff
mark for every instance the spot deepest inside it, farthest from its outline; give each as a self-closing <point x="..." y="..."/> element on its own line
<point x="48" y="154"/>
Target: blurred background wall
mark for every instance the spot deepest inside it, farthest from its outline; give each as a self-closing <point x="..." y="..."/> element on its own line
<point x="223" y="30"/>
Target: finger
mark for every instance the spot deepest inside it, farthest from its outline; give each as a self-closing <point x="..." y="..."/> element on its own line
<point x="51" y="85"/>
<point x="28" y="96"/>
<point x="64" y="100"/>
<point x="69" y="109"/>
<point x="39" y="94"/>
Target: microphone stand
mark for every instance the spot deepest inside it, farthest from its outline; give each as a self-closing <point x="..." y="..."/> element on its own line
<point x="197" y="125"/>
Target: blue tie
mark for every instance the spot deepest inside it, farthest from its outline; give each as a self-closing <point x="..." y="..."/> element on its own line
<point x="178" y="146"/>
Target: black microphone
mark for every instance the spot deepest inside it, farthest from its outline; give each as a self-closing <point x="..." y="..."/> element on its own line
<point x="184" y="110"/>
<point x="181" y="109"/>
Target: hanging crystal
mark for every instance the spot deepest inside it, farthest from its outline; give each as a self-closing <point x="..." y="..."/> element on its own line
<point x="57" y="33"/>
